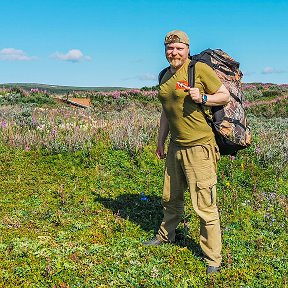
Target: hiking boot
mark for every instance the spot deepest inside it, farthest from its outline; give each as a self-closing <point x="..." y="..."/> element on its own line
<point x="212" y="269"/>
<point x="154" y="242"/>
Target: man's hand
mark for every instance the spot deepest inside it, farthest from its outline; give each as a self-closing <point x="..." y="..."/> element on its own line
<point x="160" y="152"/>
<point x="195" y="95"/>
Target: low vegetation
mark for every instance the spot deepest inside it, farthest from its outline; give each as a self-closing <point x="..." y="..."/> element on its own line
<point x="80" y="189"/>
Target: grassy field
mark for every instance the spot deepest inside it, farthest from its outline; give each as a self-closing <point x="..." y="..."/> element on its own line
<point x="81" y="189"/>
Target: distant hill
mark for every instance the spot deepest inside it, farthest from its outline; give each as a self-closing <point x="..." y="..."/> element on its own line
<point x="58" y="89"/>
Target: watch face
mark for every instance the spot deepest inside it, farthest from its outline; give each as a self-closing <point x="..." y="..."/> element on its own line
<point x="204" y="99"/>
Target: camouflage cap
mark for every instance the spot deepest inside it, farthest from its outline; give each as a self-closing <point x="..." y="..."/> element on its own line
<point x="176" y="36"/>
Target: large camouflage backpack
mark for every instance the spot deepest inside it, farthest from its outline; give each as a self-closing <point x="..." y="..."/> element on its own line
<point x="229" y="122"/>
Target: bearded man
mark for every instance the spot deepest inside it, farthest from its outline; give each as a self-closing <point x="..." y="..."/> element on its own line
<point x="192" y="153"/>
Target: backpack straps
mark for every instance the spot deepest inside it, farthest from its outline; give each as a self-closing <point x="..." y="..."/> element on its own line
<point x="161" y="74"/>
<point x="191" y="82"/>
<point x="191" y="73"/>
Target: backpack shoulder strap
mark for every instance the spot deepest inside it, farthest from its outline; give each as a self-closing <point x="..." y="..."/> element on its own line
<point x="191" y="81"/>
<point x="161" y="74"/>
<point x="191" y="73"/>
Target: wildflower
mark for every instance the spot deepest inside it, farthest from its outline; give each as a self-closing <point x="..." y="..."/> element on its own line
<point x="154" y="273"/>
<point x="227" y="184"/>
<point x="34" y="121"/>
<point x="4" y="124"/>
<point x="53" y="132"/>
<point x="40" y="127"/>
<point x="116" y="94"/>
<point x="34" y="90"/>
<point x="143" y="197"/>
<point x="272" y="221"/>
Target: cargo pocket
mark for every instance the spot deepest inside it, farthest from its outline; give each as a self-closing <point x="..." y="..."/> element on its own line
<point x="206" y="193"/>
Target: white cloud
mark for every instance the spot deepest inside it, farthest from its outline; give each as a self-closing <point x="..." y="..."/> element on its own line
<point x="73" y="55"/>
<point x="270" y="70"/>
<point x="143" y="77"/>
<point x="15" y="54"/>
<point x="148" y="77"/>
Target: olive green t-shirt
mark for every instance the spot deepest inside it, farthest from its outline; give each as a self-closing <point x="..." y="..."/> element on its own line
<point x="187" y="124"/>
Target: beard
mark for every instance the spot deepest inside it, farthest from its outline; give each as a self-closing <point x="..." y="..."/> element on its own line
<point x="175" y="63"/>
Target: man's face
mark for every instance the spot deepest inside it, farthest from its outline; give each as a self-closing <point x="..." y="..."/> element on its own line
<point x="177" y="54"/>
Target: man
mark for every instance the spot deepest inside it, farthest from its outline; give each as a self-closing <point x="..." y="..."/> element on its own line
<point x="192" y="154"/>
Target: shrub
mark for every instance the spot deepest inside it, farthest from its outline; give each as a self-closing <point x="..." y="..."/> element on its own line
<point x="271" y="93"/>
<point x="278" y="108"/>
<point x="252" y="94"/>
<point x="20" y="96"/>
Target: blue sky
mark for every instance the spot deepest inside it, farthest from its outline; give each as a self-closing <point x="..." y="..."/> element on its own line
<point x="120" y="43"/>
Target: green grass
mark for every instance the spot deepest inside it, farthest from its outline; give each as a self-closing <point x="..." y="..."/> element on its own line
<point x="77" y="220"/>
<point x="76" y="217"/>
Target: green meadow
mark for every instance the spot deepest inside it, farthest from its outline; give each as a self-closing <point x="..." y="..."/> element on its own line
<point x="80" y="189"/>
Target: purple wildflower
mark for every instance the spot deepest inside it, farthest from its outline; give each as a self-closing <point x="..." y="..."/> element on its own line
<point x="4" y="124"/>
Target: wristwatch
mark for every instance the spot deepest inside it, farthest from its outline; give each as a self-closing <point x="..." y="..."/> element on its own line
<point x="204" y="99"/>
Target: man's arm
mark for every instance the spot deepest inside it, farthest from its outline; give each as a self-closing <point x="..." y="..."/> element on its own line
<point x="162" y="135"/>
<point x="221" y="97"/>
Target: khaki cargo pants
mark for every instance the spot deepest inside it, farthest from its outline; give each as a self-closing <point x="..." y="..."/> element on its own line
<point x="194" y="168"/>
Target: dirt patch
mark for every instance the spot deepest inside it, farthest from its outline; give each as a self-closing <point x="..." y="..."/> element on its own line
<point x="76" y="102"/>
<point x="81" y="101"/>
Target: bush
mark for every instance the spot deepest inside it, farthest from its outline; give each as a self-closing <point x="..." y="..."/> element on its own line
<point x="278" y="108"/>
<point x="259" y="91"/>
<point x="252" y="94"/>
<point x="271" y="93"/>
<point x="19" y="96"/>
